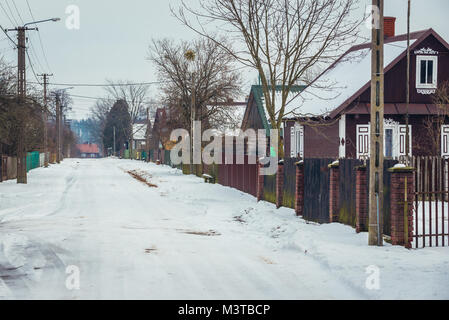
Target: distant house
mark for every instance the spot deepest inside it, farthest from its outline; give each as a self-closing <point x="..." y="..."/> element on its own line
<point x="343" y="111"/>
<point x="139" y="136"/>
<point x="88" y="150"/>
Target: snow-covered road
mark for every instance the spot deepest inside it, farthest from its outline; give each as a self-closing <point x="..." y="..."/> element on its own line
<point x="185" y="240"/>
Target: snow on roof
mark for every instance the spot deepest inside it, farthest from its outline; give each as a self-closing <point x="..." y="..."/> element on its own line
<point x="340" y="82"/>
<point x="139" y="131"/>
<point x="277" y="98"/>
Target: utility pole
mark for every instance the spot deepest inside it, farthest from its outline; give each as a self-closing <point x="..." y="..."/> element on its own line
<point x="45" y="118"/>
<point x="377" y="128"/>
<point x="21" y="93"/>
<point x="407" y="91"/>
<point x="58" y="128"/>
<point x="147" y="142"/>
<point x="114" y="142"/>
<point x="192" y="125"/>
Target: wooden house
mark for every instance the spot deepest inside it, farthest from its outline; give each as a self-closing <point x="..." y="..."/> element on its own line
<point x="331" y="116"/>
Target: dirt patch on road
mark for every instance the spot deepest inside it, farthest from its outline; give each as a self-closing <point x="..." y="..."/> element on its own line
<point x="153" y="249"/>
<point x="140" y="177"/>
<point x="210" y="233"/>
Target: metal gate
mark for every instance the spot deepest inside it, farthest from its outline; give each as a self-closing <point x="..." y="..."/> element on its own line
<point x="431" y="223"/>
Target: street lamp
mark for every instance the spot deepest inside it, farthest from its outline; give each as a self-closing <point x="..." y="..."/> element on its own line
<point x="41" y="21"/>
<point x="21" y="93"/>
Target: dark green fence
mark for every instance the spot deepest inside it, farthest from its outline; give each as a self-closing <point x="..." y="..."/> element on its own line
<point x="316" y="190"/>
<point x="269" y="188"/>
<point x="32" y="160"/>
<point x="288" y="198"/>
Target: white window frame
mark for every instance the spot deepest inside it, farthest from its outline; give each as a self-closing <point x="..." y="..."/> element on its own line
<point x="445" y="140"/>
<point x="365" y="136"/>
<point x="434" y="83"/>
<point x="297" y="135"/>
<point x="398" y="138"/>
<point x="401" y="138"/>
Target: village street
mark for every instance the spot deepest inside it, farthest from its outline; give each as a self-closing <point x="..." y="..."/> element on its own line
<point x="184" y="239"/>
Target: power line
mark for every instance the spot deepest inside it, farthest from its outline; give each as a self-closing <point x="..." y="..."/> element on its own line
<point x="107" y="84"/>
<point x="32" y="68"/>
<point x="18" y="13"/>
<point x="10" y="11"/>
<point x="40" y="38"/>
<point x="6" y="14"/>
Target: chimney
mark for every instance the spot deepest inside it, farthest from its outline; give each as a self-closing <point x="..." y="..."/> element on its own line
<point x="389" y="26"/>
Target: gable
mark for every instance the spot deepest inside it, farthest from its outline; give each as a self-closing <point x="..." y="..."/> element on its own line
<point x="395" y="77"/>
<point x="395" y="74"/>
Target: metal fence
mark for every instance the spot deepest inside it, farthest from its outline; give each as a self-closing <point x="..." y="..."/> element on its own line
<point x="431" y="223"/>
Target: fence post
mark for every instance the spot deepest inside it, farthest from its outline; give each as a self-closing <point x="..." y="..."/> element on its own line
<point x="361" y="199"/>
<point x="334" y="191"/>
<point x="299" y="188"/>
<point x="402" y="190"/>
<point x="260" y="181"/>
<point x="280" y="184"/>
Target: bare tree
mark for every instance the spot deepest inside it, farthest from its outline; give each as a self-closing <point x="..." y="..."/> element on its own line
<point x="433" y="124"/>
<point x="286" y="41"/>
<point x="211" y="78"/>
<point x="135" y="96"/>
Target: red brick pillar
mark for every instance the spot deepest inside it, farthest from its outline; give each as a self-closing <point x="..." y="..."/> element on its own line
<point x="299" y="190"/>
<point x="280" y="184"/>
<point x="334" y="191"/>
<point x="260" y="181"/>
<point x="402" y="181"/>
<point x="361" y="199"/>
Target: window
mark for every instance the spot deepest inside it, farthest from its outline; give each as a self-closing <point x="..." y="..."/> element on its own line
<point x="394" y="140"/>
<point x="426" y="72"/>
<point x="297" y="141"/>
<point x="389" y="143"/>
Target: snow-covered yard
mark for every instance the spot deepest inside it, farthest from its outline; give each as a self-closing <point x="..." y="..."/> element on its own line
<point x="185" y="239"/>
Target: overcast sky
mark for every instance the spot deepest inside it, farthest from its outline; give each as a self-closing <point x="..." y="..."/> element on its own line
<point x="112" y="42"/>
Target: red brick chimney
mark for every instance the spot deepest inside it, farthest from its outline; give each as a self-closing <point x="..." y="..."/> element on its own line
<point x="389" y="26"/>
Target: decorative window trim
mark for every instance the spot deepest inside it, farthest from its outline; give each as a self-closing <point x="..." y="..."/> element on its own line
<point x="297" y="131"/>
<point x="420" y="85"/>
<point x="398" y="147"/>
<point x="426" y="51"/>
<point x="426" y="91"/>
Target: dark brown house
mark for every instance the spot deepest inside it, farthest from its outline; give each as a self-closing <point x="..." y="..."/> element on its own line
<point x="335" y="122"/>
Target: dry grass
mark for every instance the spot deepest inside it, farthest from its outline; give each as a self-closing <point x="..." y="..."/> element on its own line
<point x="136" y="175"/>
<point x="210" y="233"/>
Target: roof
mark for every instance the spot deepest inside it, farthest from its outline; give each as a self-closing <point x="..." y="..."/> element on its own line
<point x="340" y="84"/>
<point x="139" y="131"/>
<point x="88" y="148"/>
<point x="257" y="92"/>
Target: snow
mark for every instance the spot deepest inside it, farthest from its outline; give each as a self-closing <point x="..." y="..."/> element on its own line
<point x="342" y="81"/>
<point x="186" y="240"/>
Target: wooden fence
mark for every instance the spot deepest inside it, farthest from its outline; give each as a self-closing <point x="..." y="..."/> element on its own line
<point x="316" y="190"/>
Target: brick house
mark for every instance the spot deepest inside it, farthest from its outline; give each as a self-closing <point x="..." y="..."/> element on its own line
<point x="88" y="150"/>
<point x="337" y="121"/>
